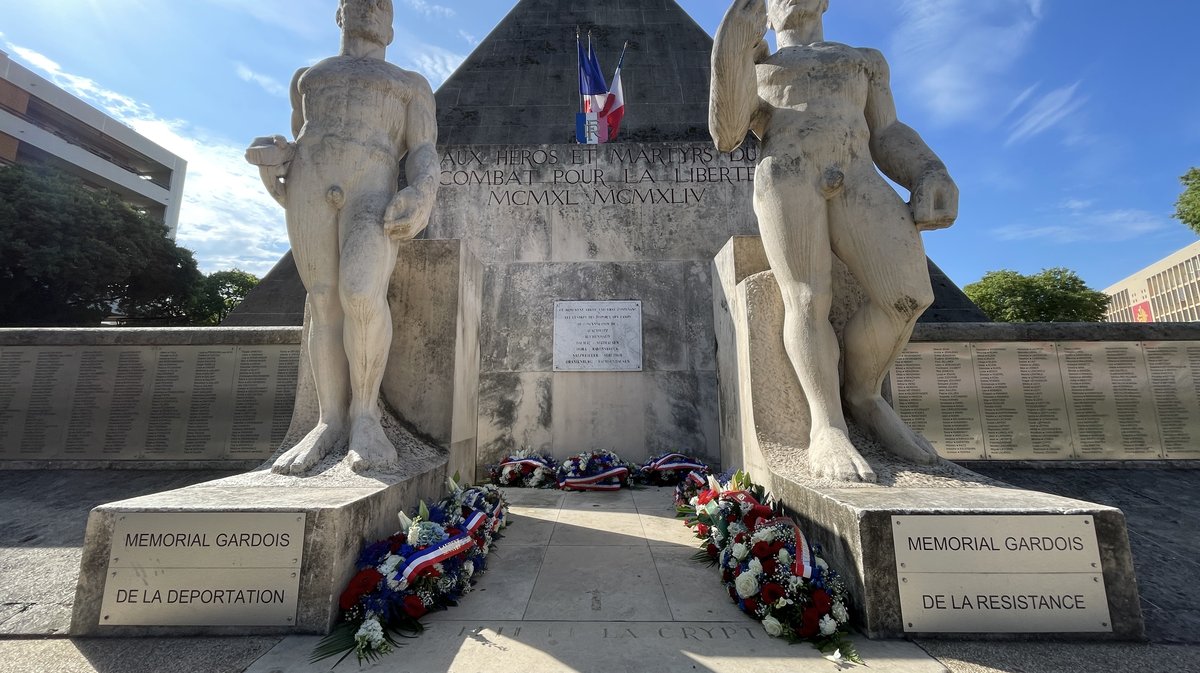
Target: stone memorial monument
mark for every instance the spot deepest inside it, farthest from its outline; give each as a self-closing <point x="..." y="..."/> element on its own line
<point x="931" y="548"/>
<point x="270" y="551"/>
<point x="825" y="117"/>
<point x="354" y="116"/>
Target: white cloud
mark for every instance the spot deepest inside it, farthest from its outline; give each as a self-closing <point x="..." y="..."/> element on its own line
<point x="435" y="63"/>
<point x="430" y="9"/>
<point x="956" y="50"/>
<point x="1077" y="221"/>
<point x="226" y="218"/>
<point x="1047" y="112"/>
<point x="468" y="38"/>
<point x="294" y="16"/>
<point x="268" y="83"/>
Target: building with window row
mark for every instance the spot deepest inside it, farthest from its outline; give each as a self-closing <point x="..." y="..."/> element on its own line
<point x="1166" y="291"/>
<point x="42" y="124"/>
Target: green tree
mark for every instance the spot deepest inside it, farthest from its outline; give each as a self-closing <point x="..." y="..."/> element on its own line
<point x="219" y="293"/>
<point x="1053" y="295"/>
<point x="70" y="255"/>
<point x="1187" y="208"/>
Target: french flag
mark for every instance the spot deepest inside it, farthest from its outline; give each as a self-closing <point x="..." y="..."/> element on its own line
<point x="614" y="107"/>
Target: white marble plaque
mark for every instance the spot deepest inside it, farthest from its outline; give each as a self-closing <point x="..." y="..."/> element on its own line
<point x="145" y="402"/>
<point x="1175" y="383"/>
<point x="203" y="569"/>
<point x="1000" y="574"/>
<point x="598" y="336"/>
<point x="937" y="395"/>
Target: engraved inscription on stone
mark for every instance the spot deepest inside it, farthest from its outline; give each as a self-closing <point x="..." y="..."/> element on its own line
<point x="145" y="402"/>
<point x="1130" y="378"/>
<point x="598" y="336"/>
<point x="1039" y="401"/>
<point x="1175" y="383"/>
<point x="201" y="569"/>
<point x="1000" y="574"/>
<point x="936" y="394"/>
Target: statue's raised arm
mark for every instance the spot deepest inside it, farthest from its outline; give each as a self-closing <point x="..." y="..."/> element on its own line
<point x="904" y="157"/>
<point x="733" y="96"/>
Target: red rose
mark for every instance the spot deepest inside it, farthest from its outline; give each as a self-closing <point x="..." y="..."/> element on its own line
<point x="712" y="550"/>
<point x="731" y="518"/>
<point x="751" y="605"/>
<point x="733" y="594"/>
<point x="364" y="582"/>
<point x="761" y="549"/>
<point x="770" y="565"/>
<point x="413" y="607"/>
<point x="726" y="575"/>
<point x="453" y="531"/>
<point x="739" y="538"/>
<point x="776" y="546"/>
<point x="526" y="468"/>
<point x="822" y="602"/>
<point x="810" y="623"/>
<point x="772" y="592"/>
<point x="706" y="496"/>
<point x="702" y="530"/>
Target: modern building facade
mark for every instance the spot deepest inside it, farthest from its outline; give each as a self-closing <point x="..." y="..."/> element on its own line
<point x="42" y="124"/>
<point x="1166" y="291"/>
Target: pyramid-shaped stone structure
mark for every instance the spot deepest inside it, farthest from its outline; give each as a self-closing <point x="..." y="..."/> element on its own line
<point x="519" y="87"/>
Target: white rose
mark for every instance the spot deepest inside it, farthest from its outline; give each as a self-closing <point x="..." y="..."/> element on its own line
<point x="772" y="627"/>
<point x="785" y="558"/>
<point x="828" y="626"/>
<point x="756" y="567"/>
<point x="840" y="613"/>
<point x="389" y="564"/>
<point x="822" y="564"/>
<point x="740" y="551"/>
<point x="746" y="585"/>
<point x="765" y="534"/>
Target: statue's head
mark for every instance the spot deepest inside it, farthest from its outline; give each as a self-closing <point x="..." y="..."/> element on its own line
<point x="369" y="20"/>
<point x="782" y="13"/>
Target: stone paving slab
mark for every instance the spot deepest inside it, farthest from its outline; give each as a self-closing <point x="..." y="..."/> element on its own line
<point x="595" y="647"/>
<point x="141" y="655"/>
<point x="995" y="657"/>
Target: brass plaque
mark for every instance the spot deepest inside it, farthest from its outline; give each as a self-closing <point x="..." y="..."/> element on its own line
<point x="204" y="569"/>
<point x="201" y="597"/>
<point x="995" y="544"/>
<point x="1004" y="603"/>
<point x="1000" y="574"/>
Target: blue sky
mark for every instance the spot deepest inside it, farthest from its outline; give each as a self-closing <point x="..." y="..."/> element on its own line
<point x="1066" y="123"/>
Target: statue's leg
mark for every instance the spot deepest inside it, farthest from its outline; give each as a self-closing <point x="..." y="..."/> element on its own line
<point x="368" y="258"/>
<point x="873" y="233"/>
<point x="312" y="230"/>
<point x="793" y="222"/>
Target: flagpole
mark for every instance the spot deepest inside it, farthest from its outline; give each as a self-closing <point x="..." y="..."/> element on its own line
<point x="578" y="68"/>
<point x="621" y="60"/>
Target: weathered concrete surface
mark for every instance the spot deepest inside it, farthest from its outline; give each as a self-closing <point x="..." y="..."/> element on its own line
<point x="430" y="382"/>
<point x="42" y="520"/>
<point x="767" y="428"/>
<point x="343" y="508"/>
<point x="1162" y="510"/>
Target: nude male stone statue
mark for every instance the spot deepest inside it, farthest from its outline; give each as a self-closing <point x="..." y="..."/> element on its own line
<point x="354" y="117"/>
<point x="825" y="117"/>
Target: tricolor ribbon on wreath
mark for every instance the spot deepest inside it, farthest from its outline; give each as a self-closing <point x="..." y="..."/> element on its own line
<point x="531" y="462"/>
<point x="435" y="554"/>
<point x="803" y="565"/>
<point x="672" y="462"/>
<point x="608" y="480"/>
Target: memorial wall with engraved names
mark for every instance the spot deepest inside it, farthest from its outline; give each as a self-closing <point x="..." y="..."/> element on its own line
<point x="1107" y="400"/>
<point x="145" y="402"/>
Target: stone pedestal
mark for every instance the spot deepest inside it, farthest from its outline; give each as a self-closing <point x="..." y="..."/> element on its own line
<point x="764" y="429"/>
<point x="267" y="553"/>
<point x="339" y="510"/>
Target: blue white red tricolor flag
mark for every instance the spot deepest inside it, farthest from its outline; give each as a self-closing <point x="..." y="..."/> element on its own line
<point x="601" y="108"/>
